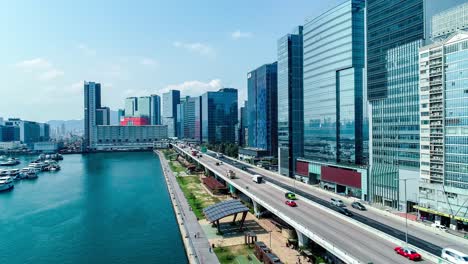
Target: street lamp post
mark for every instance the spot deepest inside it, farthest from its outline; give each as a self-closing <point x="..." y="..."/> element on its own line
<point x="406" y="208"/>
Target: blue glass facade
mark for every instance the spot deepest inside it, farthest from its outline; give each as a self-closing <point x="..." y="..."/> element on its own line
<point x="335" y="109"/>
<point x="384" y="32"/>
<point x="219" y="116"/>
<point x="290" y="101"/>
<point x="155" y="110"/>
<point x="169" y="112"/>
<point x="262" y="108"/>
<point x="198" y="118"/>
<point x="456" y="115"/>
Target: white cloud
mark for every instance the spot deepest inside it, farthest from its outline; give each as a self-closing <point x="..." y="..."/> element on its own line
<point x="148" y="62"/>
<point x="200" y="48"/>
<point x="50" y="75"/>
<point x="86" y="50"/>
<point x="41" y="68"/>
<point x="33" y="64"/>
<point x="76" y="88"/>
<point x="239" y="34"/>
<point x="194" y="88"/>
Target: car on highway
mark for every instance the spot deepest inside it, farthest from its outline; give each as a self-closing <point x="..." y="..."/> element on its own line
<point x="290" y="196"/>
<point x="359" y="206"/>
<point x="337" y="202"/>
<point x="411" y="254"/>
<point x="244" y="168"/>
<point x="454" y="256"/>
<point x="257" y="178"/>
<point x="345" y="211"/>
<point x="439" y="226"/>
<point x="290" y="203"/>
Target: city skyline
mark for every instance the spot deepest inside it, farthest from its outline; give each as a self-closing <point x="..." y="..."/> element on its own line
<point x="142" y="57"/>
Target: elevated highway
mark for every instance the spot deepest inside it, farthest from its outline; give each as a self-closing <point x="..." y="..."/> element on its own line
<point x="351" y="242"/>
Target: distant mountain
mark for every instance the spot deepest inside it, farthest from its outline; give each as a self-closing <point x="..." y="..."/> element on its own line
<point x="70" y="125"/>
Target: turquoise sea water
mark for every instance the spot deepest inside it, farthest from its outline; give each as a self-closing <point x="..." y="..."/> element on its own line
<point x="100" y="208"/>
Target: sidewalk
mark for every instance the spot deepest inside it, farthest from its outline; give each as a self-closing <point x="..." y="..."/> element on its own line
<point x="198" y="249"/>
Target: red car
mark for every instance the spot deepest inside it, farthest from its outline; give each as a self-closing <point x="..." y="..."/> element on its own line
<point x="291" y="203"/>
<point x="408" y="253"/>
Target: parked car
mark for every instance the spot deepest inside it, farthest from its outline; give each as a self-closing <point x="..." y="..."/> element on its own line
<point x="411" y="254"/>
<point x="291" y="203"/>
<point x="290" y="196"/>
<point x="358" y="206"/>
<point x="454" y="256"/>
<point x="439" y="226"/>
<point x="345" y="211"/>
<point x="337" y="202"/>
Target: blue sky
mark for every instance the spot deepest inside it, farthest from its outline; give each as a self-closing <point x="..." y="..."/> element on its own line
<point x="134" y="48"/>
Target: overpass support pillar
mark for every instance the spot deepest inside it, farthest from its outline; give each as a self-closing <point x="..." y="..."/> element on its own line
<point x="257" y="209"/>
<point x="302" y="240"/>
<point x="232" y="189"/>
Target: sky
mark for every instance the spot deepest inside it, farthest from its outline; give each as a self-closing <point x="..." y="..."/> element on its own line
<point x="134" y="48"/>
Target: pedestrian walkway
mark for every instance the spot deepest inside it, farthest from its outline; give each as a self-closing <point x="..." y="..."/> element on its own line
<point x="196" y="243"/>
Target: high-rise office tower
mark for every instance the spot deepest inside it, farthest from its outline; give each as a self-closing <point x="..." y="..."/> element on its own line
<point x="334" y="94"/>
<point x="155" y="110"/>
<point x="44" y="132"/>
<point x="392" y="81"/>
<point x="131" y="106"/>
<point x="290" y="101"/>
<point x="180" y="119"/>
<point x="443" y="88"/>
<point x="169" y="112"/>
<point x="190" y="117"/>
<point x="198" y="118"/>
<point x="92" y="102"/>
<point x="335" y="110"/>
<point x="262" y="106"/>
<point x="219" y="116"/>
<point x="120" y="115"/>
<point x="103" y="116"/>
<point x="243" y="125"/>
<point x="144" y="108"/>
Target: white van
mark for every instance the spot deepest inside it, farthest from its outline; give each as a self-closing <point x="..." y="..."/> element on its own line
<point x="454" y="256"/>
<point x="257" y="178"/>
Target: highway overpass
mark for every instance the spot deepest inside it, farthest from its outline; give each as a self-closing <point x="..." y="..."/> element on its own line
<point x="347" y="239"/>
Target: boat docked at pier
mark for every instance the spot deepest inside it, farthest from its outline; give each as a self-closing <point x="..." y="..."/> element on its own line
<point x="10" y="162"/>
<point x="6" y="183"/>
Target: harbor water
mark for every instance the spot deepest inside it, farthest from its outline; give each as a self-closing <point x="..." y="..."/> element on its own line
<point x="99" y="208"/>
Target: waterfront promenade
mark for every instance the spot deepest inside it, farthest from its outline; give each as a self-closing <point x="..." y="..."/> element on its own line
<point x="198" y="249"/>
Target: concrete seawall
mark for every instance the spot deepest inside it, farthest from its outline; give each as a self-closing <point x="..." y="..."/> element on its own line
<point x="198" y="249"/>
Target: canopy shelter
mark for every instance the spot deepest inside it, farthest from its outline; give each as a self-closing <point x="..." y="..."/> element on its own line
<point x="223" y="209"/>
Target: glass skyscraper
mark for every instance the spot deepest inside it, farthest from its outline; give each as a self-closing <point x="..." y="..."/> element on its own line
<point x="335" y="112"/>
<point x="392" y="83"/>
<point x="219" y="116"/>
<point x="263" y="108"/>
<point x="155" y="110"/>
<point x="92" y="102"/>
<point x="290" y="101"/>
<point x="169" y="112"/>
<point x="443" y="88"/>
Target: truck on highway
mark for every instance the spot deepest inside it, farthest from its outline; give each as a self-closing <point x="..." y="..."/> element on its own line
<point x="257" y="178"/>
<point x="231" y="174"/>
